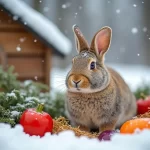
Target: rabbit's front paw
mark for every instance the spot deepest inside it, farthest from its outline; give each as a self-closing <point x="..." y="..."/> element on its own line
<point x="108" y="126"/>
<point x="84" y="128"/>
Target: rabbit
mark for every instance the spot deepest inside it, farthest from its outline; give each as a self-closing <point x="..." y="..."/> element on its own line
<point x="97" y="97"/>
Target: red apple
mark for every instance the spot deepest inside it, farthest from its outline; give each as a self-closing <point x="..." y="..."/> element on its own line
<point x="36" y="122"/>
<point x="143" y="105"/>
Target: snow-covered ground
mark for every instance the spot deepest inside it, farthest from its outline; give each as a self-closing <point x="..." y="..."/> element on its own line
<point x="16" y="139"/>
<point x="134" y="75"/>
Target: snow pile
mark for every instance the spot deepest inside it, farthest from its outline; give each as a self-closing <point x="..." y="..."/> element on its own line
<point x="134" y="75"/>
<point x="12" y="94"/>
<point x="15" y="113"/>
<point x="39" y="24"/>
<point x="16" y="139"/>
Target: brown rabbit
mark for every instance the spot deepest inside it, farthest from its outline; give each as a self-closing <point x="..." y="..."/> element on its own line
<point x="97" y="96"/>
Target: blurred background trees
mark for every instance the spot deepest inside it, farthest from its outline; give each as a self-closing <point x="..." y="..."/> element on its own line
<point x="129" y="20"/>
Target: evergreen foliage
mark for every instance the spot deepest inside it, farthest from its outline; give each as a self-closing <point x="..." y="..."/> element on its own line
<point x="8" y="79"/>
<point x="13" y="104"/>
<point x="142" y="89"/>
<point x="16" y="96"/>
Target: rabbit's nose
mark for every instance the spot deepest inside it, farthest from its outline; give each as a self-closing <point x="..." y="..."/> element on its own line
<point x="76" y="83"/>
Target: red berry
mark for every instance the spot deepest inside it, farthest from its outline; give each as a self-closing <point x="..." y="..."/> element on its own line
<point x="106" y="135"/>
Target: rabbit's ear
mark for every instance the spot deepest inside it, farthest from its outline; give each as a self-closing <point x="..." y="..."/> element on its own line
<point x="101" y="42"/>
<point x="81" y="43"/>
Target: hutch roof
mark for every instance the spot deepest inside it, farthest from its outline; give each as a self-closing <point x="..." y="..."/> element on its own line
<point x="37" y="23"/>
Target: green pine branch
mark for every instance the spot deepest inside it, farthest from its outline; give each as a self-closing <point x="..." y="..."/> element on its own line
<point x="8" y="121"/>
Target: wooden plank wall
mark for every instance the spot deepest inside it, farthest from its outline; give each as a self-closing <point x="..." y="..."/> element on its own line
<point x="20" y="48"/>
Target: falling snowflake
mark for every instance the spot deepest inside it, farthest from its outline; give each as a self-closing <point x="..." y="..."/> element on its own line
<point x="142" y="2"/>
<point x="15" y="18"/>
<point x="40" y="1"/>
<point x="118" y="11"/>
<point x="25" y="23"/>
<point x="22" y="39"/>
<point x="59" y="19"/>
<point x="75" y="14"/>
<point x="80" y="7"/>
<point x="18" y="48"/>
<point x="46" y="9"/>
<point x="35" y="77"/>
<point x="138" y="54"/>
<point x="144" y="29"/>
<point x="134" y="30"/>
<point x="35" y="40"/>
<point x="149" y="38"/>
<point x="84" y="54"/>
<point x="134" y="5"/>
<point x="66" y="5"/>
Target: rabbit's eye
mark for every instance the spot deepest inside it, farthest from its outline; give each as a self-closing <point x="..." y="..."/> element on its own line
<point x="92" y="65"/>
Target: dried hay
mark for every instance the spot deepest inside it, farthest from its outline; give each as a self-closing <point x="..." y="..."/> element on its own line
<point x="62" y="124"/>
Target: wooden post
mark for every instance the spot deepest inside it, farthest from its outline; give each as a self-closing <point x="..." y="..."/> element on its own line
<point x="48" y="57"/>
<point x="3" y="61"/>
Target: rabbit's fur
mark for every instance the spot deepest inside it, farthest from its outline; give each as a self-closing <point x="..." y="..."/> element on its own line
<point x="97" y="96"/>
